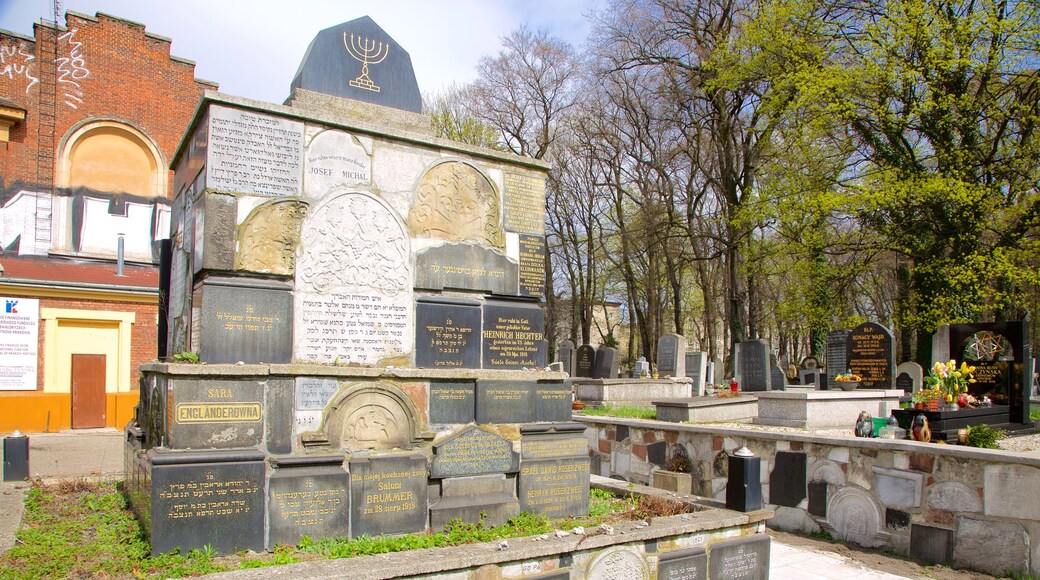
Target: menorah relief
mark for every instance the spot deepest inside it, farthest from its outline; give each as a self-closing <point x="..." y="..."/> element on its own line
<point x="365" y="51"/>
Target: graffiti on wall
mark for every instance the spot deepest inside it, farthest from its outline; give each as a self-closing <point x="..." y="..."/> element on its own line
<point x="16" y="62"/>
<point x="72" y="69"/>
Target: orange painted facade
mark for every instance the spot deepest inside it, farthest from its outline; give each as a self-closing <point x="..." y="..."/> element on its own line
<point x="36" y="412"/>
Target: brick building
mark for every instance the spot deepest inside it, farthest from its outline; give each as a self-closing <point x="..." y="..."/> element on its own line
<point x="90" y="114"/>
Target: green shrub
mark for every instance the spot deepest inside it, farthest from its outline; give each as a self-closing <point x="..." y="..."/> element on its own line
<point x="984" y="437"/>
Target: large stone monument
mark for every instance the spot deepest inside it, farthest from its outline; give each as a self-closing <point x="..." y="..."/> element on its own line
<point x="363" y="295"/>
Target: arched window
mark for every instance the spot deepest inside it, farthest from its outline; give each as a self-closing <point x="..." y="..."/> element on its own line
<point x="112" y="157"/>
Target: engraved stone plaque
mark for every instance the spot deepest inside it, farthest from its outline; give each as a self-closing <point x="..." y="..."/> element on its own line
<point x="308" y="496"/>
<point x="753" y="365"/>
<point x="353" y="299"/>
<point x="671" y="355"/>
<point x="525" y="203"/>
<point x="455" y="202"/>
<point x="313" y="394"/>
<point x="465" y="267"/>
<point x="334" y="159"/>
<point x="688" y="564"/>
<point x="870" y="356"/>
<point x="207" y="498"/>
<point x="837" y="353"/>
<point x="452" y="402"/>
<point x="532" y="265"/>
<point x="618" y="563"/>
<point x="585" y="361"/>
<point x="388" y="495"/>
<point x="504" y="401"/>
<point x="211" y="414"/>
<point x="741" y="558"/>
<point x="242" y="320"/>
<point x="555" y="487"/>
<point x="473" y="451"/>
<point x="268" y="238"/>
<point x="251" y="152"/>
<point x="513" y="336"/>
<point x="447" y="333"/>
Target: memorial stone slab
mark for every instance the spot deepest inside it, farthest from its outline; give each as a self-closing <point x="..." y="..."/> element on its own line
<point x="787" y="481"/>
<point x="513" y="336"/>
<point x="686" y="564"/>
<point x="465" y="267"/>
<point x="358" y="60"/>
<point x="606" y="366"/>
<point x="456" y="202"/>
<point x="999" y="352"/>
<point x="520" y="401"/>
<point x="447" y="333"/>
<point x="870" y="356"/>
<point x="473" y="451"/>
<point x="810" y="377"/>
<point x="269" y="237"/>
<point x="308" y="496"/>
<point x="335" y="160"/>
<point x="253" y="153"/>
<point x="777" y="378"/>
<point x="818" y="498"/>
<point x="810" y="362"/>
<point x="242" y="320"/>
<point x="640" y="368"/>
<point x="312" y="395"/>
<point x="353" y="292"/>
<point x="941" y="351"/>
<point x="452" y="402"/>
<point x="279" y="419"/>
<point x="215" y="414"/>
<point x="215" y="222"/>
<point x="554" y="470"/>
<point x="532" y="265"/>
<point x="565" y="352"/>
<point x="585" y="361"/>
<point x="618" y="562"/>
<point x="837" y="356"/>
<point x="696" y="369"/>
<point x="207" y="498"/>
<point x="524" y="202"/>
<point x="710" y="372"/>
<point x="388" y="495"/>
<point x="553" y="441"/>
<point x="671" y="355"/>
<point x="741" y="558"/>
<point x="753" y="365"/>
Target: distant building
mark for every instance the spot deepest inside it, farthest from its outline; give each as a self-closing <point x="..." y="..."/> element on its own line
<point x="90" y="115"/>
<point x="606" y="320"/>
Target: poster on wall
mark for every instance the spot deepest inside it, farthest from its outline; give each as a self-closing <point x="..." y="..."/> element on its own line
<point x="19" y="339"/>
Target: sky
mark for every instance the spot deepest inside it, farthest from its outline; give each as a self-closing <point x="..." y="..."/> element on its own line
<point x="252" y="48"/>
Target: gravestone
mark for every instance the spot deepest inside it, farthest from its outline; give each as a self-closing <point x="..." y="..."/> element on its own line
<point x="471" y="471"/>
<point x="753" y="365"/>
<point x="512" y="336"/>
<point x="359" y="61"/>
<point x="447" y="333"/>
<point x="335" y="160"/>
<point x="870" y="356"/>
<point x="215" y="414"/>
<point x="837" y="355"/>
<point x="554" y="469"/>
<point x="689" y="563"/>
<point x="522" y="401"/>
<point x="452" y="402"/>
<point x="710" y="372"/>
<point x="465" y="267"/>
<point x="641" y="368"/>
<point x="810" y="362"/>
<point x="566" y="354"/>
<point x="740" y="558"/>
<point x="999" y="352"/>
<point x="531" y="266"/>
<point x="606" y="366"/>
<point x="242" y="320"/>
<point x="586" y="360"/>
<point x="312" y="395"/>
<point x="388" y="495"/>
<point x="697" y="370"/>
<point x="810" y="377"/>
<point x="308" y="496"/>
<point x="671" y="356"/>
<point x="909" y="377"/>
<point x="941" y="350"/>
<point x="777" y="378"/>
<point x="206" y="498"/>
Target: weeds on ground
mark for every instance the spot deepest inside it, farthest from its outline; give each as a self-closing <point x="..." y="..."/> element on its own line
<point x="83" y="529"/>
<point x="626" y="411"/>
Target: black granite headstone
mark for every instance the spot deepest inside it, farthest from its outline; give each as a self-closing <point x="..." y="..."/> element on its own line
<point x="473" y="451"/>
<point x="388" y="495"/>
<point x="606" y="366"/>
<point x="671" y="355"/>
<point x="452" y="402"/>
<point x="566" y="353"/>
<point x="215" y="413"/>
<point x="746" y="557"/>
<point x="532" y="265"/>
<point x="787" y="480"/>
<point x="554" y="470"/>
<point x="513" y="336"/>
<point x="905" y="382"/>
<point x="465" y="267"/>
<point x="359" y="61"/>
<point x="870" y="356"/>
<point x="753" y="366"/>
<point x="686" y="564"/>
<point x="837" y="356"/>
<point x="308" y="496"/>
<point x="447" y="333"/>
<point x="207" y="498"/>
<point x="239" y="320"/>
<point x="1000" y="353"/>
<point x="586" y="360"/>
<point x="516" y="401"/>
<point x="777" y="378"/>
<point x="818" y="498"/>
<point x="696" y="368"/>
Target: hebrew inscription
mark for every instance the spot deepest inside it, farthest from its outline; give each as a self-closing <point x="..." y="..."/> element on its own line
<point x="525" y="204"/>
<point x="254" y="153"/>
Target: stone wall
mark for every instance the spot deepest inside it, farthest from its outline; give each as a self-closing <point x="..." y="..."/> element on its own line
<point x="969" y="508"/>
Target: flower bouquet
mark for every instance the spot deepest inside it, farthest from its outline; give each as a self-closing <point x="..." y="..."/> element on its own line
<point x="848" y="381"/>
<point x="951" y="382"/>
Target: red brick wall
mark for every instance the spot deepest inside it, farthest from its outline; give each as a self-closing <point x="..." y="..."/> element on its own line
<point x="109" y="69"/>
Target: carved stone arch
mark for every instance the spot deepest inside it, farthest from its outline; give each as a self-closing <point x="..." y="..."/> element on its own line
<point x="456" y="201"/>
<point x="269" y="236"/>
<point x="371" y="416"/>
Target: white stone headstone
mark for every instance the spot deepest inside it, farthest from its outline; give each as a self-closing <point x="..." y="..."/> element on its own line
<point x="335" y="159"/>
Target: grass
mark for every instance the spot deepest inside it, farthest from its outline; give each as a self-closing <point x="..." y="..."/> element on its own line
<point x="1034" y="415"/>
<point x="626" y="411"/>
<point x="81" y="529"/>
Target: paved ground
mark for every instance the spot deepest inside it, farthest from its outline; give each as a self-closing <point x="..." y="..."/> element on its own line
<point x="98" y="453"/>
